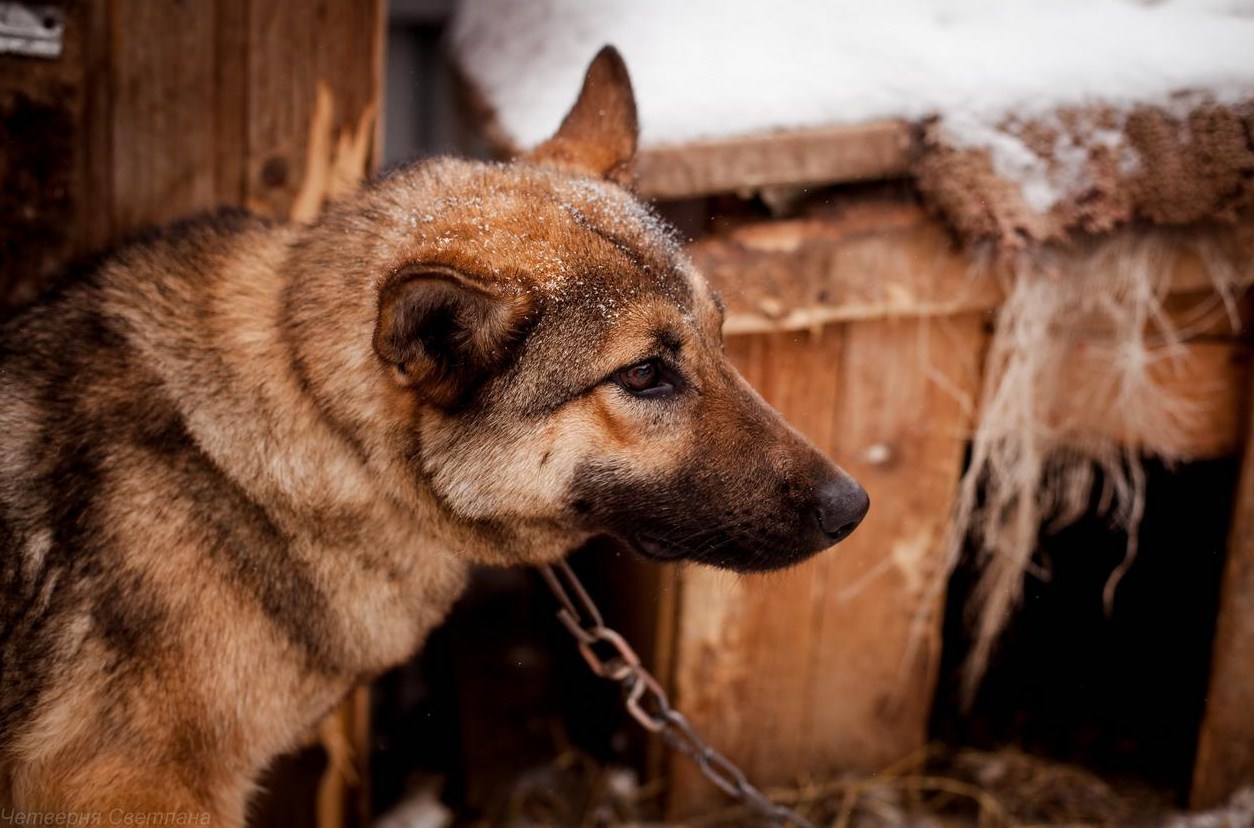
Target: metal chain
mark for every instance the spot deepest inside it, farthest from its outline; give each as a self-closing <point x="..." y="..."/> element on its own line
<point x="611" y="657"/>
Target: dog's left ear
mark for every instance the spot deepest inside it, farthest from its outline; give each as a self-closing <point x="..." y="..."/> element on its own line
<point x="599" y="133"/>
<point x="443" y="334"/>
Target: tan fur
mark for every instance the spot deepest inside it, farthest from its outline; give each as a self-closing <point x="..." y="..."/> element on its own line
<point x="247" y="465"/>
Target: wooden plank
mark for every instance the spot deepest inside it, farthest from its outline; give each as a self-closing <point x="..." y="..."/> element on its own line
<point x="903" y="434"/>
<point x="878" y="260"/>
<point x="229" y="100"/>
<point x="163" y="115"/>
<point x="1225" y="751"/>
<point x="343" y="796"/>
<point x="282" y="74"/>
<point x="811" y="157"/>
<point x="94" y="225"/>
<point x="885" y="258"/>
<point x="742" y="669"/>
<point x="42" y="168"/>
<point x="295" y="49"/>
<point x="812" y="671"/>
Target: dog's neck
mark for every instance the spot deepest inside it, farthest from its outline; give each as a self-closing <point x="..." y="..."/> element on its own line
<point x="338" y="492"/>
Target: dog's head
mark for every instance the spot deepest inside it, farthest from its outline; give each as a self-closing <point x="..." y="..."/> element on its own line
<point x="556" y="361"/>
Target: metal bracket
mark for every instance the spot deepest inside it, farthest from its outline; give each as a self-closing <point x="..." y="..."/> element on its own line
<point x="32" y="30"/>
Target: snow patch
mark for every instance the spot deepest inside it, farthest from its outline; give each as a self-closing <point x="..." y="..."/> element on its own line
<point x="721" y="68"/>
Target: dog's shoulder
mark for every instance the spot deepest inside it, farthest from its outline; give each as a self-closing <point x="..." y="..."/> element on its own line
<point x="188" y="242"/>
<point x="89" y="417"/>
<point x="81" y="369"/>
<point x="187" y="239"/>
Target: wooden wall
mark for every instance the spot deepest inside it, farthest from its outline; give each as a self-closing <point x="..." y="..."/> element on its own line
<point x="867" y="330"/>
<point x="157" y="110"/>
<point x="814" y="670"/>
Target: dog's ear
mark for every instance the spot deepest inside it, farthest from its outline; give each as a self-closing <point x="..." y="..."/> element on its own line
<point x="599" y="133"/>
<point x="442" y="334"/>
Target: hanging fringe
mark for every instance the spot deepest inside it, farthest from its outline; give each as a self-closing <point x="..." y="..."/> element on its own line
<point x="1033" y="465"/>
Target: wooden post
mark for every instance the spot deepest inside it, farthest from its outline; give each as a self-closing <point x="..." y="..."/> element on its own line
<point x="814" y="670"/>
<point x="1225" y="750"/>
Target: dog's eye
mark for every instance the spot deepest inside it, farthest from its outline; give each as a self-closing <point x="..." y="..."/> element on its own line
<point x="644" y="379"/>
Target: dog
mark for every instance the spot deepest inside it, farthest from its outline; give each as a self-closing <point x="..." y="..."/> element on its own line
<point x="246" y="465"/>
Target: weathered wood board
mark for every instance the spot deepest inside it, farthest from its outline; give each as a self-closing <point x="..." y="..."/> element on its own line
<point x="158" y="111"/>
<point x="885" y="257"/>
<point x="43" y="159"/>
<point x="789" y="158"/>
<point x="814" y="669"/>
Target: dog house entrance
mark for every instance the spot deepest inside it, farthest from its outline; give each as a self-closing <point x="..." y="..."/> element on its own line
<point x="1120" y="694"/>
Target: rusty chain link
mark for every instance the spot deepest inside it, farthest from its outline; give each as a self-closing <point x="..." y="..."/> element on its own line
<point x="611" y="657"/>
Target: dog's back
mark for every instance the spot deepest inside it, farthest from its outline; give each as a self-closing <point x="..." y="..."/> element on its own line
<point x="107" y="500"/>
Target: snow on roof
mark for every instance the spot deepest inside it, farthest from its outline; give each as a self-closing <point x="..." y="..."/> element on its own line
<point x="721" y="68"/>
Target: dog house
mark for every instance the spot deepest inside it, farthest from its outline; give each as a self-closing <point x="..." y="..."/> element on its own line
<point x="992" y="316"/>
<point x="966" y="315"/>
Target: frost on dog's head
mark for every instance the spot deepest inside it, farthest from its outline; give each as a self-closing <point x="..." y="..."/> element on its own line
<point x="543" y="359"/>
<point x="442" y="332"/>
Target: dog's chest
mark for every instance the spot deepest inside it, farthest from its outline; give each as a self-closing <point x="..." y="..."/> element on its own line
<point x="386" y="589"/>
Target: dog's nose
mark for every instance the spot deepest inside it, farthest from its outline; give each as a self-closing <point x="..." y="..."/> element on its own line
<point x="841" y="506"/>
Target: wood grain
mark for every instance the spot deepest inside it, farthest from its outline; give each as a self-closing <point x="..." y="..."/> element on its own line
<point x="875" y="261"/>
<point x="230" y="94"/>
<point x="884" y="258"/>
<point x="814" y="670"/>
<point x="43" y="165"/>
<point x="94" y="220"/>
<point x="292" y="48"/>
<point x="795" y="158"/>
<point x="163" y="114"/>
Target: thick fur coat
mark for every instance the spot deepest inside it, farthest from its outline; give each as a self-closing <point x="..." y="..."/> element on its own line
<point x="246" y="465"/>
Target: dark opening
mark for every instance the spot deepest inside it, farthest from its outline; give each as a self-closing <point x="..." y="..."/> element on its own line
<point x="500" y="704"/>
<point x="1121" y="694"/>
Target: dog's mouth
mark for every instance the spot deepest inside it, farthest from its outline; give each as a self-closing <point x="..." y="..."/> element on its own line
<point x="655" y="547"/>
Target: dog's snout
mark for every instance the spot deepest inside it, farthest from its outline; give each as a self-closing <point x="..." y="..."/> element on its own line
<point x="840" y="506"/>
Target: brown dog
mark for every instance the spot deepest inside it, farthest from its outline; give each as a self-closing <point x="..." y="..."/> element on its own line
<point x="246" y="465"/>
